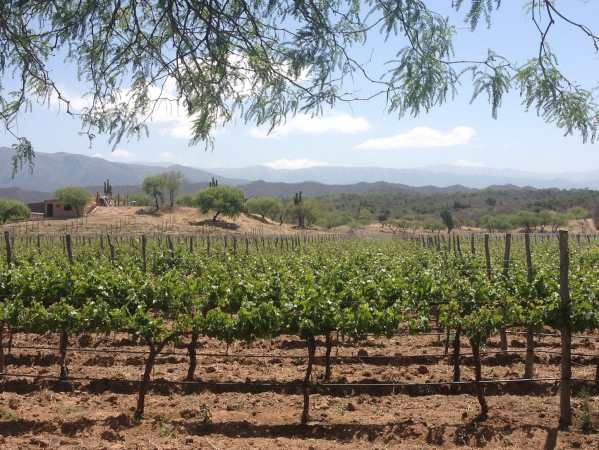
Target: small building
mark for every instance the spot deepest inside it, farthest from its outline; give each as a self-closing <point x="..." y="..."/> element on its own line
<point x="53" y="208"/>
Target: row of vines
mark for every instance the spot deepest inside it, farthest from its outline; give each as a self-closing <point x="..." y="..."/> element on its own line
<point x="176" y="289"/>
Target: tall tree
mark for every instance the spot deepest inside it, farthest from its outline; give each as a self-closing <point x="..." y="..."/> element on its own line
<point x="262" y="61"/>
<point x="265" y="206"/>
<point x="447" y="219"/>
<point x="225" y="200"/>
<point x="172" y="183"/>
<point x="154" y="187"/>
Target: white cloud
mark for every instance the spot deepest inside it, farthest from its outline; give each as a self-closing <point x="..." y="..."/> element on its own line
<point x="305" y="124"/>
<point x="121" y="153"/>
<point x="118" y="154"/>
<point x="170" y="116"/>
<point x="467" y="163"/>
<point x="167" y="156"/>
<point x="294" y="164"/>
<point x="178" y="128"/>
<point x="421" y="137"/>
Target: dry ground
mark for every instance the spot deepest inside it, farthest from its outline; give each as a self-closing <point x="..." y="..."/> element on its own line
<point x="585" y="226"/>
<point x="126" y="219"/>
<point x="188" y="220"/>
<point x="97" y="414"/>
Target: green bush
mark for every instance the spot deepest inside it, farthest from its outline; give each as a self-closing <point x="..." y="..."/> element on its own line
<point x="185" y="200"/>
<point x="154" y="187"/>
<point x="265" y="207"/>
<point x="76" y="197"/>
<point x="13" y="209"/>
<point x="225" y="200"/>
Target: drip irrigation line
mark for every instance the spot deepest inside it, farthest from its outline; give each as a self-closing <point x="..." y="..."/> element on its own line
<point x="292" y="385"/>
<point x="303" y="357"/>
<point x="392" y="335"/>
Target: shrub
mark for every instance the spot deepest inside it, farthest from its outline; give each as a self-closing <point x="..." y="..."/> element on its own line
<point x="225" y="200"/>
<point x="13" y="209"/>
<point x="76" y="197"/>
<point x="264" y="206"/>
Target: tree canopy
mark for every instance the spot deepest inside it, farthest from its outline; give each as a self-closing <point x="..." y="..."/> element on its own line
<point x="12" y="209"/>
<point x="76" y="197"/>
<point x="154" y="186"/>
<point x="265" y="206"/>
<point x="447" y="219"/>
<point x="263" y="61"/>
<point x="172" y="183"/>
<point x="225" y="200"/>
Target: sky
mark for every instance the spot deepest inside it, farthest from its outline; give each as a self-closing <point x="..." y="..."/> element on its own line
<point x="459" y="133"/>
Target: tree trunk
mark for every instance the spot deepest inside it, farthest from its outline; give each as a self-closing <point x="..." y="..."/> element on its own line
<point x="456" y="354"/>
<point x="10" y="336"/>
<point x="2" y="363"/>
<point x="143" y="388"/>
<point x="529" y="365"/>
<point x="329" y="345"/>
<point x="503" y="339"/>
<point x="64" y="342"/>
<point x="191" y="350"/>
<point x="215" y="216"/>
<point x="311" y="350"/>
<point x="480" y="390"/>
<point x="446" y="342"/>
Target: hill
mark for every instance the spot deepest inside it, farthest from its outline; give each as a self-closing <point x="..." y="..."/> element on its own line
<point x="440" y="176"/>
<point x="24" y="195"/>
<point x="314" y="189"/>
<point x="55" y="170"/>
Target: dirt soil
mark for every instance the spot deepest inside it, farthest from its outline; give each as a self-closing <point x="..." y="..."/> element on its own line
<point x="180" y="220"/>
<point x="94" y="413"/>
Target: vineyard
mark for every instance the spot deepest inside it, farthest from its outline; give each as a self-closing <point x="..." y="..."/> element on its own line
<point x="298" y="322"/>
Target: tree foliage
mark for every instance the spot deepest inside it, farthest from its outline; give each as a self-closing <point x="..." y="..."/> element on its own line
<point x="12" y="209"/>
<point x="154" y="186"/>
<point x="225" y="200"/>
<point x="447" y="219"/>
<point x="263" y="61"/>
<point x="265" y="207"/>
<point x="78" y="198"/>
<point x="172" y="184"/>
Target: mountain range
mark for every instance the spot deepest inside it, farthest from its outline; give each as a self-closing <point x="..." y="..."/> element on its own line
<point x="56" y="170"/>
<point x="439" y="176"/>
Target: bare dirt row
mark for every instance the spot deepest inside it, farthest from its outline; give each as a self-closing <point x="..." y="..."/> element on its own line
<point x="95" y="410"/>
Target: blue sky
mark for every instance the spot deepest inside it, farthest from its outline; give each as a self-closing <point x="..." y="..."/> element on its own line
<point x="362" y="134"/>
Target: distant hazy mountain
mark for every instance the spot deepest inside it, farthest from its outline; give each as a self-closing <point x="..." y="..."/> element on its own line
<point x="313" y="189"/>
<point x="440" y="176"/>
<point x="56" y="170"/>
<point x="24" y="195"/>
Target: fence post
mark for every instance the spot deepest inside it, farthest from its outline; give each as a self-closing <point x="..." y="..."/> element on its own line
<point x="506" y="270"/>
<point x="8" y="242"/>
<point x="69" y="246"/>
<point x="144" y="257"/>
<point x="565" y="416"/>
<point x="488" y="256"/>
<point x="529" y="364"/>
<point x="111" y="247"/>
